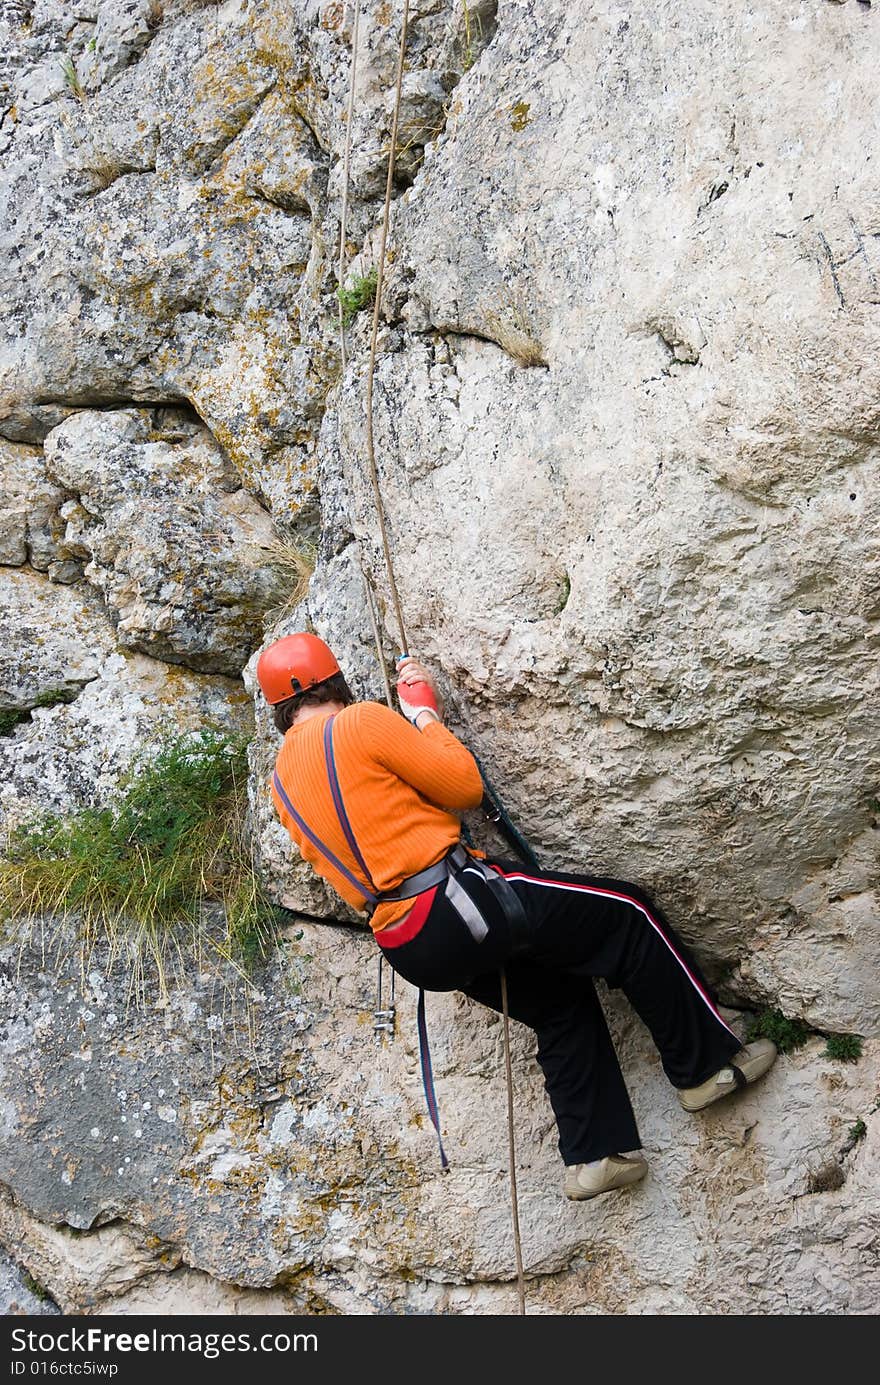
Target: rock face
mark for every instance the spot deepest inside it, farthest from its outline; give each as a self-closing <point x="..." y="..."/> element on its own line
<point x="260" y="1137"/>
<point x="30" y="525"/>
<point x="658" y="554"/>
<point x="178" y="548"/>
<point x="626" y="427"/>
<point x="65" y="756"/>
<point x="52" y="639"/>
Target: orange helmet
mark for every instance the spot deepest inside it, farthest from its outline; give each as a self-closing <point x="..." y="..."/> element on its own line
<point x="293" y="664"/>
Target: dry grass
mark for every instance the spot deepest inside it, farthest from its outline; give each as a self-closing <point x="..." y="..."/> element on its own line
<point x="826" y="1179"/>
<point x="104" y="168"/>
<point x="294" y="562"/>
<point x="473" y="34"/>
<point x="507" y="323"/>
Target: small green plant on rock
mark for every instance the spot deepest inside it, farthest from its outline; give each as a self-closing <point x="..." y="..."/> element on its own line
<point x="11" y="717"/>
<point x="856" y="1133"/>
<point x="786" y="1034"/>
<point x="358" y="294"/>
<point x="564" y="592"/>
<point x="34" y="1286"/>
<point x="55" y="697"/>
<point x="844" y="1048"/>
<point x="473" y="33"/>
<point x="71" y="78"/>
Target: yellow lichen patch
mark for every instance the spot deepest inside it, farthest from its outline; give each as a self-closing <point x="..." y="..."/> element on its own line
<point x="331" y="17"/>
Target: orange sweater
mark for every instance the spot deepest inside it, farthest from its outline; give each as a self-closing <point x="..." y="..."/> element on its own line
<point x="401" y="788"/>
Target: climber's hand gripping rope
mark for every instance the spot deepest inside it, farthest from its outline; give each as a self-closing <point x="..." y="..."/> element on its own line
<point x="416" y="690"/>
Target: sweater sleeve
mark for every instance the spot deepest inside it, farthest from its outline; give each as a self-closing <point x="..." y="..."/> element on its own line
<point x="433" y="761"/>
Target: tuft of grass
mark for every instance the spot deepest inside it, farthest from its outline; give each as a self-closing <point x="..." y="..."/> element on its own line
<point x="135" y="872"/>
<point x="786" y="1034"/>
<point x="507" y="324"/>
<point x="104" y="168"/>
<point x="828" y="1178"/>
<point x="358" y="294"/>
<point x="294" y="562"/>
<point x="71" y="78"/>
<point x="845" y="1048"/>
<point x="473" y="33"/>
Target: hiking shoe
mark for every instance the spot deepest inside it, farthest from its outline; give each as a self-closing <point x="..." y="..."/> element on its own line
<point x="744" y="1068"/>
<point x="614" y="1171"/>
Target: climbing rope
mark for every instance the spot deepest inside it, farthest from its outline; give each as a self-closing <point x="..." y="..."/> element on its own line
<point x="383" y="530"/>
<point x="374" y="337"/>
<point x="343" y="219"/>
<point x="511" y="1149"/>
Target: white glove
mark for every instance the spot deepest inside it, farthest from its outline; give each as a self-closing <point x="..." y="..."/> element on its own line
<point x="416" y="697"/>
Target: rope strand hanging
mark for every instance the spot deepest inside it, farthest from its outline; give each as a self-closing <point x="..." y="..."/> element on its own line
<point x="374" y="337"/>
<point x="383" y="530"/>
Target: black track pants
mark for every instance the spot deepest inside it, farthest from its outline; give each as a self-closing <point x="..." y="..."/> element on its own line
<point x="577" y="927"/>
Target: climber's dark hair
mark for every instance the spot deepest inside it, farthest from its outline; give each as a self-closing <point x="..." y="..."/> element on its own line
<point x="333" y="689"/>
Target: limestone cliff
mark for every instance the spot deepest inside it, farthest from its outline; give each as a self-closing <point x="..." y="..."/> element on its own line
<point x="627" y="425"/>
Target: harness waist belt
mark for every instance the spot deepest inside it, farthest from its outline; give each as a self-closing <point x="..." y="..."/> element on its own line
<point x="454" y="859"/>
<point x="446" y="872"/>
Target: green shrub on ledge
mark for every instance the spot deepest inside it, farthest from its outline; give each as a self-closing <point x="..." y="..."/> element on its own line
<point x="173" y="843"/>
<point x="786" y="1034"/>
<point x="845" y="1048"/>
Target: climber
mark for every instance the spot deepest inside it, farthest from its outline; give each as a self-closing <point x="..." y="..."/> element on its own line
<point x="373" y="803"/>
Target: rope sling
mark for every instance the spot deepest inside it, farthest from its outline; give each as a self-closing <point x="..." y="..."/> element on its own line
<point x="388" y="1015"/>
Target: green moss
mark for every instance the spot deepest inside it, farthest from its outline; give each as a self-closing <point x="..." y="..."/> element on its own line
<point x="519" y="115"/>
<point x="53" y="697"/>
<point x="786" y="1034"/>
<point x="10" y="718"/>
<point x="358" y="295"/>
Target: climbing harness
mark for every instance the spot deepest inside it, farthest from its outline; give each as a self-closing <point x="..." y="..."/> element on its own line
<point x="496" y="812"/>
<point x="443" y="872"/>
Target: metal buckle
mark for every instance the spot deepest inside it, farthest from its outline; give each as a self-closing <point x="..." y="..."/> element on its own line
<point x="384" y="1018"/>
